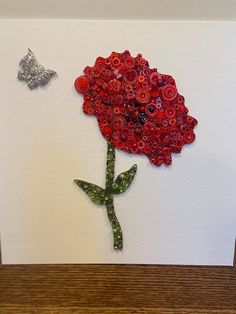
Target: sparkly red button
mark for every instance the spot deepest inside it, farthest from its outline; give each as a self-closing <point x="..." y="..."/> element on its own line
<point x="81" y="84"/>
<point x="169" y="92"/>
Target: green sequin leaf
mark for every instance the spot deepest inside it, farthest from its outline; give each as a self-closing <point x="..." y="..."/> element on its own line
<point x="94" y="192"/>
<point x="124" y="180"/>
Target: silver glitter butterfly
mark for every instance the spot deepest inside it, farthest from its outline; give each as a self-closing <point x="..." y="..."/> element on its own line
<point x="33" y="73"/>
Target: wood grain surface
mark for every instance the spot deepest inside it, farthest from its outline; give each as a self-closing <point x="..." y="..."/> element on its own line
<point x="116" y="289"/>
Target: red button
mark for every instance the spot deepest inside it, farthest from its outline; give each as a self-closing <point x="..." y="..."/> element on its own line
<point x="114" y="87"/>
<point x="151" y="109"/>
<point x="142" y="62"/>
<point x="130" y="76"/>
<point x="174" y="132"/>
<point x="189" y="137"/>
<point x="170" y="112"/>
<point x="154" y="78"/>
<point x="129" y="62"/>
<point x="118" y="122"/>
<point x="141" y="78"/>
<point x="96" y="72"/>
<point x="119" y="144"/>
<point x="81" y="84"/>
<point x="142" y="95"/>
<point x="116" y="62"/>
<point x="141" y="145"/>
<point x="146" y="71"/>
<point x="169" y="92"/>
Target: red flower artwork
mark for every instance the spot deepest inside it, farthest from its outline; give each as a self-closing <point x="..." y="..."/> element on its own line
<point x="138" y="110"/>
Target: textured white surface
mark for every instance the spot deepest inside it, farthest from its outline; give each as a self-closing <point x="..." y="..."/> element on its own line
<point x="181" y="215"/>
<point x="224" y="10"/>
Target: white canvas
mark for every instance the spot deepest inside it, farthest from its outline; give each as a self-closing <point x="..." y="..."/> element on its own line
<point x="184" y="214"/>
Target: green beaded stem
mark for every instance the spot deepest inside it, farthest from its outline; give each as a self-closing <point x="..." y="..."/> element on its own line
<point x="100" y="196"/>
<point x="110" y="173"/>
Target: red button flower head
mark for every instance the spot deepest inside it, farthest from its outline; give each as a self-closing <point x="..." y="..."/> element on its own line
<point x="138" y="109"/>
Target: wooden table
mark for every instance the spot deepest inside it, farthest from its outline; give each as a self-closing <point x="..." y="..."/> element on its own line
<point x="116" y="289"/>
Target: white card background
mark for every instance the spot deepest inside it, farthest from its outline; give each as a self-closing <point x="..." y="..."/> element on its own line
<point x="184" y="214"/>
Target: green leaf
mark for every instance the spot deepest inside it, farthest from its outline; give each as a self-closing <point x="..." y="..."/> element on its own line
<point x="124" y="180"/>
<point x="97" y="194"/>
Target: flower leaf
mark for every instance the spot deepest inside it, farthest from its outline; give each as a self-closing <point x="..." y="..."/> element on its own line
<point x="97" y="194"/>
<point x="124" y="180"/>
